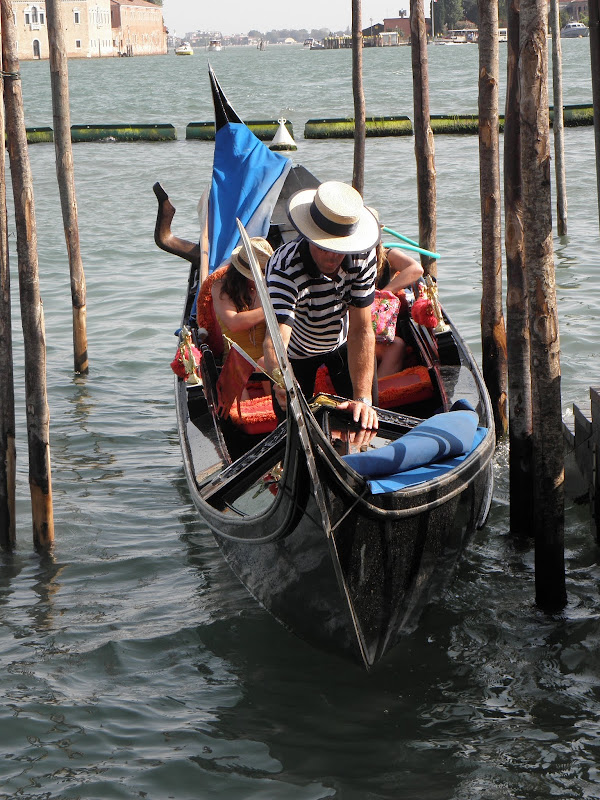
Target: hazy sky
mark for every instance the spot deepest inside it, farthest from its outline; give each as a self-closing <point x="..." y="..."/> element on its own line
<point x="240" y="16"/>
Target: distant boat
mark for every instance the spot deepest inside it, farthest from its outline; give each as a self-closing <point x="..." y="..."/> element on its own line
<point x="317" y="45"/>
<point x="459" y="36"/>
<point x="574" y="30"/>
<point x="262" y="45"/>
<point x="215" y="45"/>
<point x="184" y="49"/>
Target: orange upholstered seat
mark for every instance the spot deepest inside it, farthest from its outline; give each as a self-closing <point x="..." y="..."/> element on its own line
<point x="254" y="416"/>
<point x="205" y="313"/>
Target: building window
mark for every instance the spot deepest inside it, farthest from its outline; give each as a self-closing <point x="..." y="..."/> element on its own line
<point x="27" y="18"/>
<point x="41" y="17"/>
<point x="77" y="42"/>
<point x="76" y="16"/>
<point x="34" y="15"/>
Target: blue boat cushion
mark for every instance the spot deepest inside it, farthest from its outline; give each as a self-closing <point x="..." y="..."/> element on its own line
<point x="412" y="477"/>
<point x="442" y="436"/>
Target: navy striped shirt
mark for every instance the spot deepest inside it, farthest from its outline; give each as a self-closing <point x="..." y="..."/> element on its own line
<point x="314" y="305"/>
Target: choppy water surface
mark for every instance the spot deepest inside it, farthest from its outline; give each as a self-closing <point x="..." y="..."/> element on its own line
<point x="132" y="662"/>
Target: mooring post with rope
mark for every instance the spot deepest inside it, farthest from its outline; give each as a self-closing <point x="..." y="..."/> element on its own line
<point x="32" y="315"/>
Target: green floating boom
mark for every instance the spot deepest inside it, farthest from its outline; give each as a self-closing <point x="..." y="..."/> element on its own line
<point x="582" y="114"/>
<point x="264" y="129"/>
<point x="344" y="128"/>
<point x="37" y="135"/>
<point x="123" y="133"/>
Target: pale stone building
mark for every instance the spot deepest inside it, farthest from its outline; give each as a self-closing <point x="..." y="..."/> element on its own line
<point x="92" y="28"/>
<point x="138" y="28"/>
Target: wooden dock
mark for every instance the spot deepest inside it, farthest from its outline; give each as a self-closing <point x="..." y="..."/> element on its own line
<point x="582" y="446"/>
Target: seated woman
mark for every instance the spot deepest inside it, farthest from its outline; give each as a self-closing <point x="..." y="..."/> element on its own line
<point x="236" y="302"/>
<point x="395" y="271"/>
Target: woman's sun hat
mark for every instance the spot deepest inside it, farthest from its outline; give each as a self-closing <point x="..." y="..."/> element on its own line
<point x="334" y="217"/>
<point x="261" y="249"/>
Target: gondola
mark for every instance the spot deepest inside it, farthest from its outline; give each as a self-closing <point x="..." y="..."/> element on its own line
<point x="343" y="558"/>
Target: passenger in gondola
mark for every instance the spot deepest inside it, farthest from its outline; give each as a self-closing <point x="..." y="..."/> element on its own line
<point x="322" y="286"/>
<point x="396" y="271"/>
<point x="236" y="302"/>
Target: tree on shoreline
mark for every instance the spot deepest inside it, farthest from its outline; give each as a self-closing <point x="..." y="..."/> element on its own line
<point x="451" y="13"/>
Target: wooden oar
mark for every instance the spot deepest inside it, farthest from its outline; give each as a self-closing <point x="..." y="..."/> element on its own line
<point x="288" y="381"/>
<point x="295" y="408"/>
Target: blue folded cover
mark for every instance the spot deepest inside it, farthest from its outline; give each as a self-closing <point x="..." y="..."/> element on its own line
<point x="442" y="436"/>
<point x="412" y="477"/>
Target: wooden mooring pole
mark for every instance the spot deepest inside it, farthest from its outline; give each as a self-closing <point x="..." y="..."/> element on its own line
<point x="493" y="332"/>
<point x="7" y="394"/>
<point x="32" y="316"/>
<point x="517" y="315"/>
<point x="594" y="23"/>
<point x="558" y="127"/>
<point x="548" y="453"/>
<point x="424" y="146"/>
<point x="59" y="77"/>
<point x="360" y="125"/>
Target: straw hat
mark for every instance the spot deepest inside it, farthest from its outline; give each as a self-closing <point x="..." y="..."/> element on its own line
<point x="261" y="249"/>
<point x="334" y="218"/>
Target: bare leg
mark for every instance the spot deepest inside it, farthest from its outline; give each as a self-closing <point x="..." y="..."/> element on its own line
<point x="390" y="357"/>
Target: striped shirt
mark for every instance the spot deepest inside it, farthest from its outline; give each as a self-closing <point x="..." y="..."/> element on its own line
<point x="314" y="305"/>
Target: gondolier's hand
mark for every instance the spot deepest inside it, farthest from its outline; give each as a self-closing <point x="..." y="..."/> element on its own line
<point x="363" y="412"/>
<point x="280" y="396"/>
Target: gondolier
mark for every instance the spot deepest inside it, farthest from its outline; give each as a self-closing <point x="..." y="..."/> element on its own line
<point x="322" y="286"/>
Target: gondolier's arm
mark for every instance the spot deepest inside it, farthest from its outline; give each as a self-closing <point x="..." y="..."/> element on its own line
<point x="361" y="362"/>
<point x="271" y="365"/>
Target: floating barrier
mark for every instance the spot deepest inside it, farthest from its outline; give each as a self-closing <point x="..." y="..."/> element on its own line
<point x="37" y="135"/>
<point x="264" y="130"/>
<point x="123" y="133"/>
<point x="344" y="128"/>
<point x="457" y="123"/>
<point x="267" y="130"/>
<point x="573" y="116"/>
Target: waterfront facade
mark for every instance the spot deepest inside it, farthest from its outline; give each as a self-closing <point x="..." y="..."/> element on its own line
<point x="92" y="28"/>
<point x="138" y="28"/>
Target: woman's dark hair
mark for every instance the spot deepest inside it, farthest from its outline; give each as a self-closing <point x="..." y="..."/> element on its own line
<point x="237" y="287"/>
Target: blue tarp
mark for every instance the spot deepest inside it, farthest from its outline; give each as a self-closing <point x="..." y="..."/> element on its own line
<point x="247" y="179"/>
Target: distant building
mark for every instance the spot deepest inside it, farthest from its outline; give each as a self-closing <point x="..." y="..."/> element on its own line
<point x="92" y="28"/>
<point x="138" y="28"/>
<point x="402" y="25"/>
<point x="575" y="8"/>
